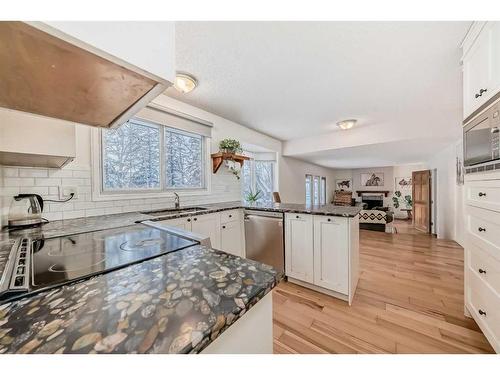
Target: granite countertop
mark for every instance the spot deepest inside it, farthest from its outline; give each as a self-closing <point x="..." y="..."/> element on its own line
<point x="176" y="303"/>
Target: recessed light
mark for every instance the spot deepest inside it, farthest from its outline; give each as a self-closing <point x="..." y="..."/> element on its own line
<point x="346" y="124"/>
<point x="185" y="83"/>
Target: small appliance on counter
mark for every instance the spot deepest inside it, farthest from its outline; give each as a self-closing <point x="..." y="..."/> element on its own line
<point x="25" y="210"/>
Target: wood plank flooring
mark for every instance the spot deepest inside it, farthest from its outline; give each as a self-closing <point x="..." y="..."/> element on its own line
<point x="409" y="300"/>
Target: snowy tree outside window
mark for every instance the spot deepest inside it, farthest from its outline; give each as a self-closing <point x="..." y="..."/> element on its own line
<point x="132" y="160"/>
<point x="258" y="175"/>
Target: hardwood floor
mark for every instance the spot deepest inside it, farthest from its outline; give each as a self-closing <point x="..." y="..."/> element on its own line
<point x="409" y="300"/>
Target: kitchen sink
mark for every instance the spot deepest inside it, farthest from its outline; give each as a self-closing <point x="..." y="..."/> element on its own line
<point x="174" y="211"/>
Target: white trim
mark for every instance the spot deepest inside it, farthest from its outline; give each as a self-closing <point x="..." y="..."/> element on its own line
<point x="96" y="172"/>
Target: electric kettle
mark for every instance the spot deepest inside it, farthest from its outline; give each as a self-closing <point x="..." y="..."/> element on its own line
<point x="25" y="209"/>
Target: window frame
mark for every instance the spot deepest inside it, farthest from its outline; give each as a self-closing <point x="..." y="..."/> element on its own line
<point x="97" y="158"/>
<point x="253" y="176"/>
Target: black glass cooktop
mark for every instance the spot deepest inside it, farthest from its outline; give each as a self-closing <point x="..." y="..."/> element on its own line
<point x="64" y="259"/>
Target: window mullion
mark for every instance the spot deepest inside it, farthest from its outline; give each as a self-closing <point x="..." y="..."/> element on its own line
<point x="162" y="158"/>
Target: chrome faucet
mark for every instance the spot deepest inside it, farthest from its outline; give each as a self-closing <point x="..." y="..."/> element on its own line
<point x="177" y="202"/>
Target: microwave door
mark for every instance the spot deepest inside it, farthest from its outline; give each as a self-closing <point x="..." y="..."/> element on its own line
<point x="478" y="146"/>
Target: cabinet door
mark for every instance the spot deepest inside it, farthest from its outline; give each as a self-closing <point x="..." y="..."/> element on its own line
<point x="331" y="253"/>
<point x="232" y="238"/>
<point x="299" y="247"/>
<point x="477" y="73"/>
<point x="182" y="223"/>
<point x="207" y="225"/>
<point x="495" y="57"/>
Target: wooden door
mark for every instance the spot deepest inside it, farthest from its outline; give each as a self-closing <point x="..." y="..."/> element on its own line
<point x="299" y="247"/>
<point x="422" y="200"/>
<point x="331" y="253"/>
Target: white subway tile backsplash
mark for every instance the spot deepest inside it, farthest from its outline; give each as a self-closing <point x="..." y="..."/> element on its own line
<point x="18" y="182"/>
<point x="46" y="182"/>
<point x="10" y="172"/>
<point x="33" y="172"/>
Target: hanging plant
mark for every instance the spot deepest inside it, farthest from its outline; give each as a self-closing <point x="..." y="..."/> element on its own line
<point x="230" y="146"/>
<point x="234" y="168"/>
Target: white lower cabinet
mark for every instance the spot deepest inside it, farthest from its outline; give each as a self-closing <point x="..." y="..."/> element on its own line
<point x="299" y="247"/>
<point x="331" y="253"/>
<point x="321" y="253"/>
<point x="208" y="225"/>
<point x="225" y="229"/>
<point x="231" y="238"/>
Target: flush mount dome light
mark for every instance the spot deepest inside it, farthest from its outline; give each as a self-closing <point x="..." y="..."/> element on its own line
<point x="346" y="124"/>
<point x="185" y="83"/>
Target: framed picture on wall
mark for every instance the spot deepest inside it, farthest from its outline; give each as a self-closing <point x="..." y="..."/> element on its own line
<point x="343" y="184"/>
<point x="402" y="184"/>
<point x="372" y="179"/>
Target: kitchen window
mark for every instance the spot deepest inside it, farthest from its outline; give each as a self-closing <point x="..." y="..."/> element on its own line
<point x="258" y="175"/>
<point x="315" y="190"/>
<point x="143" y="156"/>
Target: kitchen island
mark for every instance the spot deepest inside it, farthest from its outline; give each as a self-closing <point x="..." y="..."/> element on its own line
<point x="181" y="302"/>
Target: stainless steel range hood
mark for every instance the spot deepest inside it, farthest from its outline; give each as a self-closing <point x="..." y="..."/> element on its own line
<point x="46" y="75"/>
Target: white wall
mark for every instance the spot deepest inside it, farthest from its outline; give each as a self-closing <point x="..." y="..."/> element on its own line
<point x="224" y="186"/>
<point x="292" y="174"/>
<point x="449" y="195"/>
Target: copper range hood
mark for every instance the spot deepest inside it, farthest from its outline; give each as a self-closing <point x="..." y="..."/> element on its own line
<point x="45" y="75"/>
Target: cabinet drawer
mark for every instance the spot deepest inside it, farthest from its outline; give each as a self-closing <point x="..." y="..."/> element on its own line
<point x="484" y="194"/>
<point x="487" y="267"/>
<point x="231" y="215"/>
<point x="484" y="304"/>
<point x="483" y="229"/>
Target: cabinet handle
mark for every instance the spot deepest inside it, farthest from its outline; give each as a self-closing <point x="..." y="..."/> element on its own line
<point x="480" y="229"/>
<point x="297" y="217"/>
<point x="188" y="220"/>
<point x="195" y="219"/>
<point x="329" y="219"/>
<point x="482" y="312"/>
<point x="481" y="194"/>
<point x="223" y="227"/>
<point x="230" y="216"/>
<point x="482" y="271"/>
<point x="481" y="92"/>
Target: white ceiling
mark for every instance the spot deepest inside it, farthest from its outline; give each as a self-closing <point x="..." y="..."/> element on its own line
<point x="294" y="80"/>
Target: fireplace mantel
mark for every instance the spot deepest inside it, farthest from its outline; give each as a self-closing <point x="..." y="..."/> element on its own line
<point x="361" y="192"/>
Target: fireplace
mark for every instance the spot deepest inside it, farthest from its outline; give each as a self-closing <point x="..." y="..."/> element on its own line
<point x="373" y="201"/>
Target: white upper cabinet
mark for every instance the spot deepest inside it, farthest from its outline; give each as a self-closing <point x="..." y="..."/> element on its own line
<point x="149" y="46"/>
<point x="299" y="247"/>
<point x="481" y="65"/>
<point x="331" y="253"/>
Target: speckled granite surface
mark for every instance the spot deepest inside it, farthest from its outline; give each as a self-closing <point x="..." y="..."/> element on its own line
<point x="177" y="303"/>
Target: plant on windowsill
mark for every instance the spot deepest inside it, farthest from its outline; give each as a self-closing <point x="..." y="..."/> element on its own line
<point x="253" y="197"/>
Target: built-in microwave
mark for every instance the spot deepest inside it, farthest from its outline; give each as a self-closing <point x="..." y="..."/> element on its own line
<point x="481" y="137"/>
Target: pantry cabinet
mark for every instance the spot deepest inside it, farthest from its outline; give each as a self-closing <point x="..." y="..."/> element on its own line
<point x="299" y="247"/>
<point x="322" y="253"/>
<point x="481" y="65"/>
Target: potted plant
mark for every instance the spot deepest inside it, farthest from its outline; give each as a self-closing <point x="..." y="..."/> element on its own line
<point x="395" y="199"/>
<point x="408" y="201"/>
<point x="230" y="146"/>
<point x="253" y="197"/>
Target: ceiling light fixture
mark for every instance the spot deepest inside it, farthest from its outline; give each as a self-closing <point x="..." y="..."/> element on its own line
<point x="346" y="124"/>
<point x="185" y="83"/>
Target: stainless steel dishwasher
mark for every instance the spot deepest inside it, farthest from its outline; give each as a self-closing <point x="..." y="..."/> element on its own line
<point x="264" y="238"/>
